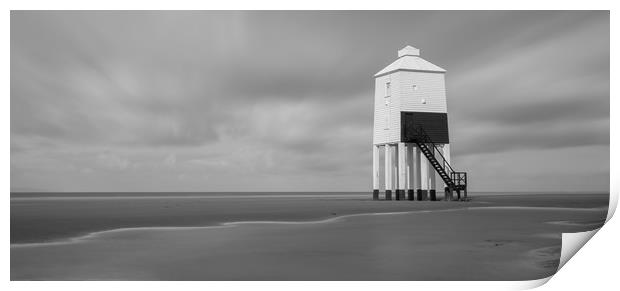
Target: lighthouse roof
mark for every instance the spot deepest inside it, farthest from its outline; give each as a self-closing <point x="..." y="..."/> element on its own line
<point x="409" y="60"/>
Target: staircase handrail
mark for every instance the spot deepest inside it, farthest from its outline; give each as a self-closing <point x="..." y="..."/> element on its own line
<point x="426" y="139"/>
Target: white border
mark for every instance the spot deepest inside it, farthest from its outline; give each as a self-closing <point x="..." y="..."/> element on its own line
<point x="595" y="265"/>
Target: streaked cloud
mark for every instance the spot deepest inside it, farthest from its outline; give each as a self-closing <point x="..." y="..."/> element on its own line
<point x="262" y="101"/>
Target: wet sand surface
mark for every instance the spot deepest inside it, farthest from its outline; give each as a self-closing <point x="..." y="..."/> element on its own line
<point x="346" y="237"/>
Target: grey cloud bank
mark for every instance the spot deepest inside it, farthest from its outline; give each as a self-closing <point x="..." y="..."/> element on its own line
<point x="282" y="101"/>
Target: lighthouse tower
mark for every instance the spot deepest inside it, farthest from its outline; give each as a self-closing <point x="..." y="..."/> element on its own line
<point x="411" y="128"/>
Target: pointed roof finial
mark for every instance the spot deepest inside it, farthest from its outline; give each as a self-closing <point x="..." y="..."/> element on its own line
<point x="408" y="51"/>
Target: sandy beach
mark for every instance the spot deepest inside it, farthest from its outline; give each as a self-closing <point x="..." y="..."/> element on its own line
<point x="293" y="237"/>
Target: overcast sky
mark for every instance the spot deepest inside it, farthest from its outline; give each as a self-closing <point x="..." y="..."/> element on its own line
<point x="282" y="101"/>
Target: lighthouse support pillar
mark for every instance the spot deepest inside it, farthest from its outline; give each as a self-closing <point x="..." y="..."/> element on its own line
<point x="424" y="186"/>
<point x="448" y="192"/>
<point x="432" y="193"/>
<point x="395" y="172"/>
<point x="388" y="172"/>
<point x="410" y="172"/>
<point x="418" y="174"/>
<point x="375" y="172"/>
<point x="402" y="171"/>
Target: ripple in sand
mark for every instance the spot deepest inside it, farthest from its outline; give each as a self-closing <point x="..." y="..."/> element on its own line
<point x="594" y="224"/>
<point x="546" y="257"/>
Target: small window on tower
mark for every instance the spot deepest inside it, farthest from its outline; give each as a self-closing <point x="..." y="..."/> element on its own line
<point x="388" y="90"/>
<point x="415" y="87"/>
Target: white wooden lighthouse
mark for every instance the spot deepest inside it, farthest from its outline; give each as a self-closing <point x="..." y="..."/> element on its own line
<point x="411" y="128"/>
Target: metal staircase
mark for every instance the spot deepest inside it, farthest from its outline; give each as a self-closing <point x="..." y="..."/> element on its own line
<point x="455" y="181"/>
